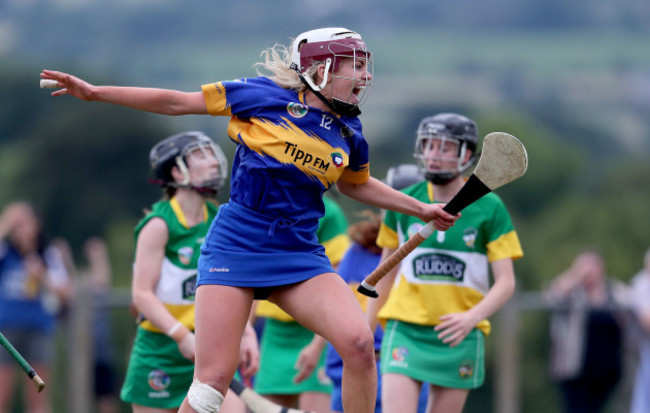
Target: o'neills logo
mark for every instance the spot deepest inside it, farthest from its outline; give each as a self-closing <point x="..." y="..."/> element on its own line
<point x="337" y="159"/>
<point x="439" y="267"/>
<point x="297" y="110"/>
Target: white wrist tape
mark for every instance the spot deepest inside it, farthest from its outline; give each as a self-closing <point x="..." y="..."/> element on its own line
<point x="204" y="398"/>
<point x="173" y="329"/>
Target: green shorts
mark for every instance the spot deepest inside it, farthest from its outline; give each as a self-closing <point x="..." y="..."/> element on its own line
<point x="280" y="345"/>
<point x="415" y="351"/>
<point x="158" y="375"/>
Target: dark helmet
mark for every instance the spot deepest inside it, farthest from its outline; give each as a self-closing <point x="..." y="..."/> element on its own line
<point x="450" y="127"/>
<point x="400" y="176"/>
<point x="173" y="151"/>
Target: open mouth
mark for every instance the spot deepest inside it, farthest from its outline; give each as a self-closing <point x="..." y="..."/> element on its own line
<point x="356" y="92"/>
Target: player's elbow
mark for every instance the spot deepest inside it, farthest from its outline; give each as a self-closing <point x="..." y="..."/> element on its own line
<point x="141" y="298"/>
<point x="509" y="284"/>
<point x="347" y="188"/>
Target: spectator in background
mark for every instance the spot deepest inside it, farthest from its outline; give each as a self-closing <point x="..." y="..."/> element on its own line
<point x="292" y="358"/>
<point x="586" y="333"/>
<point x="96" y="280"/>
<point x="99" y="275"/>
<point x="34" y="287"/>
<point x="640" y="289"/>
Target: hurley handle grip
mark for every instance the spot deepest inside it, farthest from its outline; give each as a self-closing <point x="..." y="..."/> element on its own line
<point x="367" y="286"/>
<point x="472" y="190"/>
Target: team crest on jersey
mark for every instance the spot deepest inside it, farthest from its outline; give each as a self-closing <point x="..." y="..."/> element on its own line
<point x="297" y="110"/>
<point x="337" y="159"/>
<point x="466" y="369"/>
<point x="438" y="267"/>
<point x="185" y="255"/>
<point x="347" y="131"/>
<point x="469" y="236"/>
<point x="158" y="380"/>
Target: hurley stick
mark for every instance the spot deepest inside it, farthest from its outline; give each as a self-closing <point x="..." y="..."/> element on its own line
<point x="503" y="159"/>
<point x="40" y="384"/>
<point x="257" y="403"/>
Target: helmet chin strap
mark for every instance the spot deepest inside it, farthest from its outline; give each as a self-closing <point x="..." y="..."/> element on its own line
<point x="186" y="183"/>
<point x="337" y="105"/>
<point x="201" y="190"/>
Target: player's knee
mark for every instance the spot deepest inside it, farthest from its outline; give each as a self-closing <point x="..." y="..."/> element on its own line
<point x="204" y="398"/>
<point x="360" y="349"/>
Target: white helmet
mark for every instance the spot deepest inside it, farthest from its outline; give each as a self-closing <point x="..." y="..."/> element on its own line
<point x="325" y="45"/>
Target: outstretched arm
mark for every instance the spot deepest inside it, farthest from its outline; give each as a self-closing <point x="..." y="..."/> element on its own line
<point x="376" y="193"/>
<point x="162" y="101"/>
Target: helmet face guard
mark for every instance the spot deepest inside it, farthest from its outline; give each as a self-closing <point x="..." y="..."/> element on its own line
<point x="177" y="150"/>
<point x="207" y="149"/>
<point x="330" y="46"/>
<point x="441" y="146"/>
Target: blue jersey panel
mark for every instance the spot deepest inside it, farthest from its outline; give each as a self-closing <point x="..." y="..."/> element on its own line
<point x="288" y="153"/>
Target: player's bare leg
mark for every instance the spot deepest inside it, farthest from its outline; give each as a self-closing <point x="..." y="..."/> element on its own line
<point x="8" y="379"/>
<point x="312" y="401"/>
<point x="221" y="313"/>
<point x="136" y="408"/>
<point x="447" y="400"/>
<point x="326" y="305"/>
<point x="399" y="393"/>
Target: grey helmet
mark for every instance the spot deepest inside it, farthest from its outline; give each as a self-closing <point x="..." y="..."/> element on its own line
<point x="450" y="127"/>
<point x="173" y="151"/>
<point x="400" y="176"/>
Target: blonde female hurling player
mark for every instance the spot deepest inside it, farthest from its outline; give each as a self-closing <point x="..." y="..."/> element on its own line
<point x="297" y="133"/>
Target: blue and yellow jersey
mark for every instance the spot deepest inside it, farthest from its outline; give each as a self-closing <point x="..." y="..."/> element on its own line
<point x="288" y="154"/>
<point x="449" y="271"/>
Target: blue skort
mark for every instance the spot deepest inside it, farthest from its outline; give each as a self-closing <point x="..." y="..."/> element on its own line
<point x="244" y="248"/>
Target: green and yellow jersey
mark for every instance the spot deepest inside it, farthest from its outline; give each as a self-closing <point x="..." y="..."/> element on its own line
<point x="449" y="271"/>
<point x="176" y="286"/>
